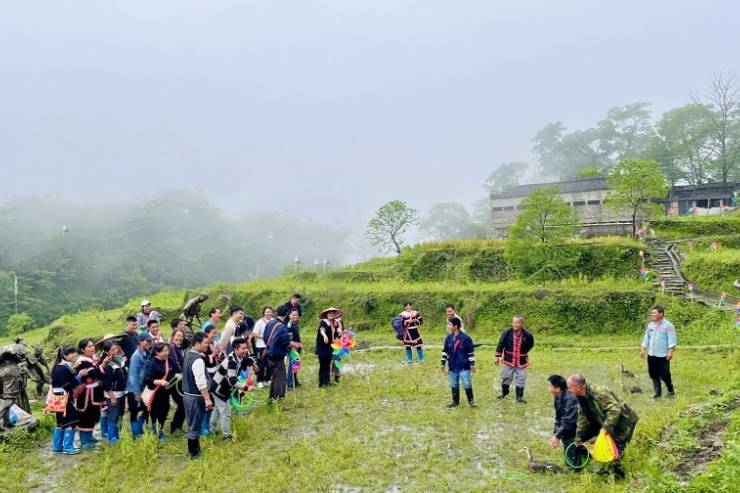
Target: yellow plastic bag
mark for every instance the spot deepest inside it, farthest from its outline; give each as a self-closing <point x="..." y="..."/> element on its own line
<point x="605" y="448"/>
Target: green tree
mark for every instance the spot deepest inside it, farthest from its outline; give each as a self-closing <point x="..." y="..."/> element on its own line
<point x="505" y="177"/>
<point x="633" y="185"/>
<point x="683" y="144"/>
<point x="544" y="221"/>
<point x="386" y="229"/>
<point x="562" y="154"/>
<point x="19" y="323"/>
<point x="626" y="132"/>
<point x="545" y="217"/>
<point x="589" y="172"/>
<point x="447" y="221"/>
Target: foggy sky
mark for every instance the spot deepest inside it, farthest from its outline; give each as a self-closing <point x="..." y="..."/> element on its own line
<point x="326" y="108"/>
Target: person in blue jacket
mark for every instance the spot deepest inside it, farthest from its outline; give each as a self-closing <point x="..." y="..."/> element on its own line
<point x="459" y="357"/>
<point x="135" y="384"/>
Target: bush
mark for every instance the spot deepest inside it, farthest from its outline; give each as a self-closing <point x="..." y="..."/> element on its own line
<point x="725" y="241"/>
<point x="713" y="270"/>
<point x="602" y="308"/>
<point x="489" y="265"/>
<point x="19" y="323"/>
<point x="697" y="226"/>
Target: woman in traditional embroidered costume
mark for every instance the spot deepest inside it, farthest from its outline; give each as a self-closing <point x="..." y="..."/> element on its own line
<point x="63" y="382"/>
<point x="411" y="335"/>
<point x="88" y="397"/>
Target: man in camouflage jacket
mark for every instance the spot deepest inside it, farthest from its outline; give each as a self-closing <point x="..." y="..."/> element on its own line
<point x="601" y="408"/>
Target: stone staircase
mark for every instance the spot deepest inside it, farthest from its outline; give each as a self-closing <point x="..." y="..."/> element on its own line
<point x="666" y="264"/>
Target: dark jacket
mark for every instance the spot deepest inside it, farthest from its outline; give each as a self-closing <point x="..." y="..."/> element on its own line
<point x="324" y="349"/>
<point x="64" y="377"/>
<point x="129" y="345"/>
<point x="115" y="378"/>
<point x="279" y="340"/>
<point x="458" y="352"/>
<point x="292" y="307"/>
<point x="601" y="408"/>
<point x="566" y="415"/>
<point x="176" y="358"/>
<point x="155" y="370"/>
<point x="506" y="347"/>
<point x="294" y="331"/>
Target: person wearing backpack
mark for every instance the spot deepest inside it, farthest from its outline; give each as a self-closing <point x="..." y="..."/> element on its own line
<point x="411" y="335"/>
<point x="277" y="346"/>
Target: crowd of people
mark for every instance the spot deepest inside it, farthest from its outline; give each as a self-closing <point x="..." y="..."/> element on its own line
<point x="200" y="372"/>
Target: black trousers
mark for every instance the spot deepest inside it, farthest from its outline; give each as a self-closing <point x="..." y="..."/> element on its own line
<point x="278" y="383"/>
<point x="179" y="418"/>
<point x="325" y="370"/>
<point x="569" y="453"/>
<point x="160" y="407"/>
<point x="659" y="368"/>
<point x="264" y="374"/>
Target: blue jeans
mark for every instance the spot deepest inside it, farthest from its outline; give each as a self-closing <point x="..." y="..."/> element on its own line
<point x="115" y="412"/>
<point x="455" y="377"/>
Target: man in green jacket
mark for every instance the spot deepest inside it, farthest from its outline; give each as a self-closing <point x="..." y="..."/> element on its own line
<point x="601" y="408"/>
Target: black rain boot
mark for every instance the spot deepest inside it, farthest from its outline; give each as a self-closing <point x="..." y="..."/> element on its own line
<point x="471" y="399"/>
<point x="669" y="387"/>
<point x="520" y="395"/>
<point x="455" y="397"/>
<point x="194" y="447"/>
<point x="504" y="391"/>
<point x="656" y="387"/>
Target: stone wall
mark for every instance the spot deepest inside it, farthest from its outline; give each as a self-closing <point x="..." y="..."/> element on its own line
<point x="593" y="213"/>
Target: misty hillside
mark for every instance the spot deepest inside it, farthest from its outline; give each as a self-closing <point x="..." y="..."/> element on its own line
<point x="69" y="256"/>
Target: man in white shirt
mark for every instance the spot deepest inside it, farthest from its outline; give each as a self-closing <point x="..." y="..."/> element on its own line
<point x="196" y="397"/>
<point x="451" y="313"/>
<point x="237" y="315"/>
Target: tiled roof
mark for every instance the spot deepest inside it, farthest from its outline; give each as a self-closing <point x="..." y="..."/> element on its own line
<point x="571" y="186"/>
